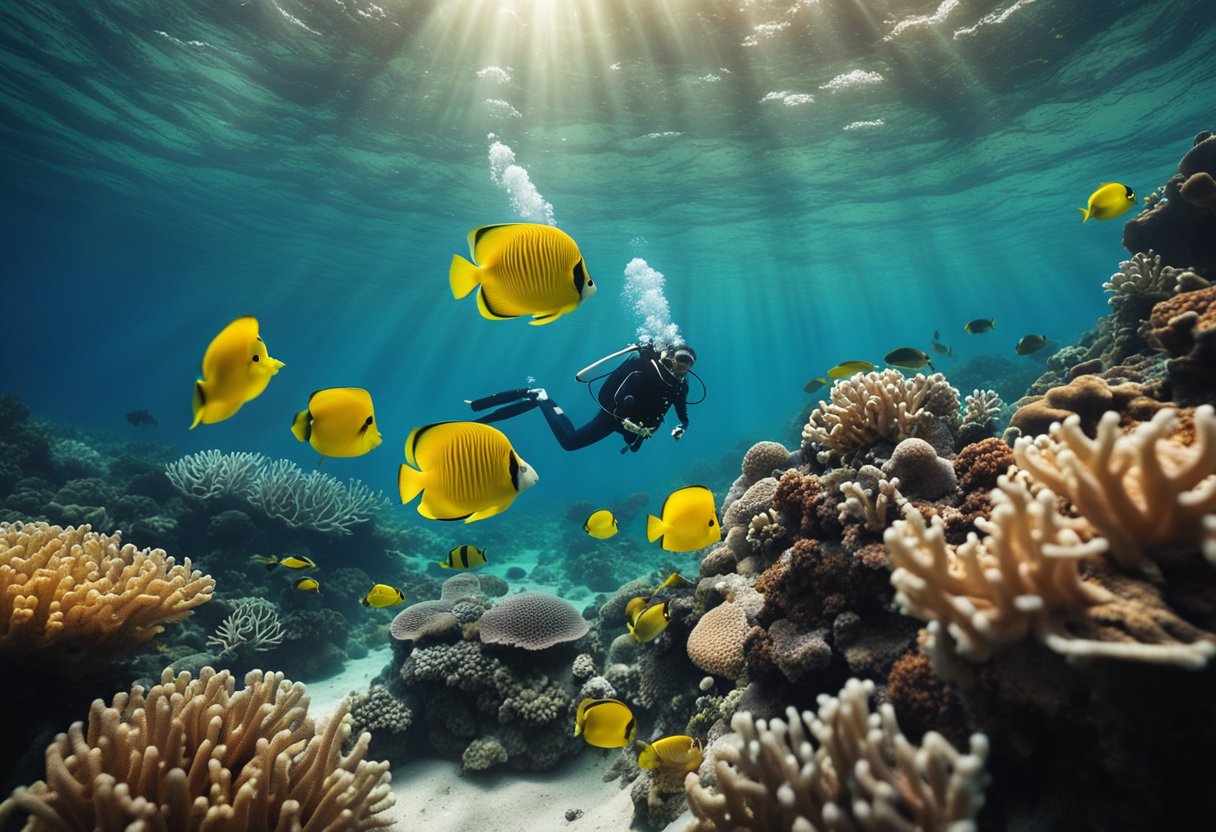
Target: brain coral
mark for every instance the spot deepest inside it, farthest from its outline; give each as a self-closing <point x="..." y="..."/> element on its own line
<point x="762" y="459"/>
<point x="716" y="644"/>
<point x="533" y="621"/>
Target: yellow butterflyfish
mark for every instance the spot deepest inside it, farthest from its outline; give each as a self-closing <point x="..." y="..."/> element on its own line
<point x="338" y="422"/>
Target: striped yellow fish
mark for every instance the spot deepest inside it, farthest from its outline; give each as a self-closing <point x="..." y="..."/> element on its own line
<point x="465" y="471"/>
<point x="464" y="557"/>
<point x="522" y="269"/>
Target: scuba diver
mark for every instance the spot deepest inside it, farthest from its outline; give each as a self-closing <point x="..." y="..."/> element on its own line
<point x="633" y="400"/>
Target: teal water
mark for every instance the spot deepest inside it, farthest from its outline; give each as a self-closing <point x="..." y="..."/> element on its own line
<point x="170" y="165"/>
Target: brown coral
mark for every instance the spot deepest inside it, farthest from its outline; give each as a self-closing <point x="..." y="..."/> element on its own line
<point x="979" y="464"/>
<point x="812" y="584"/>
<point x="76" y="587"/>
<point x="1088" y="396"/>
<point x="1184" y="327"/>
<point x="807" y="505"/>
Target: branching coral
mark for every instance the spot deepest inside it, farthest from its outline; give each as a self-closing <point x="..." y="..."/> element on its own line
<point x="881" y="406"/>
<point x="1144" y="279"/>
<point x="76" y="587"/>
<point x="210" y="474"/>
<point x="1144" y="493"/>
<point x="862" y="773"/>
<point x="1023" y="580"/>
<point x="871" y="509"/>
<point x="253" y="622"/>
<point x="192" y="754"/>
<point x="313" y="500"/>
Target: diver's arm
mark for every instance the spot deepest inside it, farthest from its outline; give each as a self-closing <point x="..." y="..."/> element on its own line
<point x="681" y="405"/>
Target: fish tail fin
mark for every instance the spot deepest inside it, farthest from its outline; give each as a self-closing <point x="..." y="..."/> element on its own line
<point x="443" y="565"/>
<point x="271" y="563"/>
<point x="654" y="528"/>
<point x="363" y="601"/>
<point x="462" y="276"/>
<point x="410" y="483"/>
<point x="929" y="364"/>
<point x="1084" y="214"/>
<point x="200" y="399"/>
<point x="301" y="426"/>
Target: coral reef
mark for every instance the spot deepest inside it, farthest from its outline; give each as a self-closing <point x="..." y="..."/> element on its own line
<point x="880" y="407"/>
<point x="532" y="621"/>
<point x="196" y="754"/>
<point x="75" y="587"/>
<point x="860" y="772"/>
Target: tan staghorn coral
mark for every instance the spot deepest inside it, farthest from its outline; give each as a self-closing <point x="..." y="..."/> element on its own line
<point x="76" y="587"/>
<point x="1023" y="580"/>
<point x="192" y="754"/>
<point x="881" y="406"/>
<point x="861" y="774"/>
<point x="1144" y="493"/>
<point x="871" y="509"/>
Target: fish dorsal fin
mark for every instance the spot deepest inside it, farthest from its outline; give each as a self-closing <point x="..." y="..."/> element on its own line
<point x="487" y="238"/>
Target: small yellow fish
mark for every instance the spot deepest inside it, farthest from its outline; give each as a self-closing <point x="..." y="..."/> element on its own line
<point x="675" y="579"/>
<point x="466" y="471"/>
<point x="814" y="384"/>
<point x="676" y="754"/>
<point x="649" y="623"/>
<point x="1030" y="343"/>
<point x="605" y="723"/>
<point x="307" y="585"/>
<point x="383" y="595"/>
<point x="290" y="561"/>
<point x="688" y="521"/>
<point x="464" y="557"/>
<point x="634" y="608"/>
<point x="339" y="422"/>
<point x="979" y="325"/>
<point x="601" y="524"/>
<point x="522" y="269"/>
<point x="236" y="369"/>
<point x="1110" y="200"/>
<point x="910" y="358"/>
<point x="850" y="368"/>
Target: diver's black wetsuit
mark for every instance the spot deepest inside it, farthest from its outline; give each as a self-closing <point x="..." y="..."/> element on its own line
<point x="640" y="390"/>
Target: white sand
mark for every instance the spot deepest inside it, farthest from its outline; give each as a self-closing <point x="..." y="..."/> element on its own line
<point x="434" y="794"/>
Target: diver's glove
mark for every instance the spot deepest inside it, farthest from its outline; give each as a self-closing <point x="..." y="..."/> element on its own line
<point x="677" y="432"/>
<point x="634" y="427"/>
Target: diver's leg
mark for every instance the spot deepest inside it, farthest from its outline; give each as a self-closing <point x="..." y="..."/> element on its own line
<point x="507" y="412"/>
<point x="570" y="437"/>
<point x="504" y="397"/>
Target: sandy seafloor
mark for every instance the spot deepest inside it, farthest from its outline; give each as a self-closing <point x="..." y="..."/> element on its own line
<point x="434" y="794"/>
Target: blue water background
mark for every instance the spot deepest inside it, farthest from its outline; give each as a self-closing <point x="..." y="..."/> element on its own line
<point x="171" y="166"/>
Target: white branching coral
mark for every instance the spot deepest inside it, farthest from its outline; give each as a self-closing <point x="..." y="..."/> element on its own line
<point x="1023" y="580"/>
<point x="860" y="773"/>
<point x="871" y="509"/>
<point x="210" y="474"/>
<point x="1144" y="275"/>
<point x="253" y="622"/>
<point x="881" y="406"/>
<point x="1143" y="492"/>
<point x="982" y="408"/>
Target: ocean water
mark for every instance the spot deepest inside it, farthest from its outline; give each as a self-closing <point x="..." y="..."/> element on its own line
<point x="795" y="184"/>
<point x="170" y="166"/>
